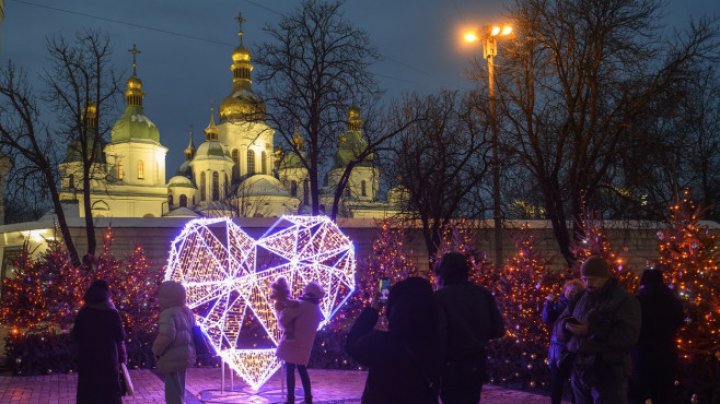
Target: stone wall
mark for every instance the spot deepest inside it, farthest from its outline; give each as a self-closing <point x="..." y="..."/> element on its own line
<point x="635" y="241"/>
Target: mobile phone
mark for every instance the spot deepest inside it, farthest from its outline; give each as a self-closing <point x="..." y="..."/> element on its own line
<point x="384" y="290"/>
<point x="573" y="320"/>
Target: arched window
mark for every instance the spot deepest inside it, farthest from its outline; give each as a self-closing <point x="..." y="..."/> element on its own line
<point x="215" y="186"/>
<point x="71" y="181"/>
<point x="293" y="188"/>
<point x="306" y="192"/>
<point x="251" y="162"/>
<point x="363" y="188"/>
<point x="263" y="162"/>
<point x="183" y="201"/>
<point x="203" y="190"/>
<point x="236" y="167"/>
<point x="120" y="170"/>
<point x="170" y="200"/>
<point x="140" y="170"/>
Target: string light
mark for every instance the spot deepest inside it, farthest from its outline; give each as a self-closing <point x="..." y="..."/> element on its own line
<point x="227" y="275"/>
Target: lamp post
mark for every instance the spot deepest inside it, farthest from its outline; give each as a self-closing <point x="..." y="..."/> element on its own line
<point x="490" y="36"/>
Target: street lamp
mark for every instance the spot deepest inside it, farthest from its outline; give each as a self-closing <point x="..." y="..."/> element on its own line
<point x="490" y="35"/>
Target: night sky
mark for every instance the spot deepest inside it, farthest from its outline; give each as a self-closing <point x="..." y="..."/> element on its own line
<point x="186" y="45"/>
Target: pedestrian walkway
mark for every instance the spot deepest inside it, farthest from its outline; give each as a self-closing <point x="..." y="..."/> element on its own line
<point x="203" y="385"/>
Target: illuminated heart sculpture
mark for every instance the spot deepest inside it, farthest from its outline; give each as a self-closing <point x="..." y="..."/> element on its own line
<point x="227" y="275"/>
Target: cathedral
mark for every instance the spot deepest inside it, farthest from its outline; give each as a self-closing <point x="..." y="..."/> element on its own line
<point x="236" y="171"/>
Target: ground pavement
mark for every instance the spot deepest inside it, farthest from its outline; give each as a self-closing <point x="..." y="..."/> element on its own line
<point x="203" y="385"/>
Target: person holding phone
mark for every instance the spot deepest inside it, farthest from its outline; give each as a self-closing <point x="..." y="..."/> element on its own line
<point x="559" y="360"/>
<point x="404" y="361"/>
<point x="599" y="330"/>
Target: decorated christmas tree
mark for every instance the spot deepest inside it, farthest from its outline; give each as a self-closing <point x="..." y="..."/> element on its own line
<point x="388" y="260"/>
<point x="594" y="241"/>
<point x="690" y="252"/>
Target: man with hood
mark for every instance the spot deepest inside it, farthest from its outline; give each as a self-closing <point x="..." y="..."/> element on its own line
<point x="404" y="361"/>
<point x="600" y="329"/>
<point x="99" y="334"/>
<point x="472" y="319"/>
<point x="299" y="323"/>
<point x="173" y="347"/>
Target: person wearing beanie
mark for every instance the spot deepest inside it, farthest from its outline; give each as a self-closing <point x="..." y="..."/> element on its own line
<point x="655" y="355"/>
<point x="600" y="329"/>
<point x="99" y="334"/>
<point x="299" y="322"/>
<point x="472" y="319"/>
<point x="404" y="362"/>
<point x="173" y="347"/>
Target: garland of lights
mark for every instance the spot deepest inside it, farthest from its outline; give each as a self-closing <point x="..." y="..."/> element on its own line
<point x="227" y="275"/>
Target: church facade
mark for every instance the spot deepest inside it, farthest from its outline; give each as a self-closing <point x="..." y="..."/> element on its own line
<point x="235" y="171"/>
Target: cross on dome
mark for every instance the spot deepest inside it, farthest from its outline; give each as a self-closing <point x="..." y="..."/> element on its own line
<point x="134" y="51"/>
<point x="240" y="21"/>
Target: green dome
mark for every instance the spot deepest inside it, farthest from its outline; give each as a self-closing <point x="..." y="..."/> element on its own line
<point x="212" y="149"/>
<point x="133" y="125"/>
<point x="350" y="146"/>
<point x="180" y="181"/>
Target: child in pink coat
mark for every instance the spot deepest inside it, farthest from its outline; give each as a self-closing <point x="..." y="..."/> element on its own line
<point x="299" y="323"/>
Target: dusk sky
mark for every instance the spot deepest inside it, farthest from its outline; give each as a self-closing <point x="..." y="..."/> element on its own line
<point x="186" y="45"/>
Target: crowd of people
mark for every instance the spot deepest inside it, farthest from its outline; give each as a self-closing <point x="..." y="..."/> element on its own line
<point x="614" y="347"/>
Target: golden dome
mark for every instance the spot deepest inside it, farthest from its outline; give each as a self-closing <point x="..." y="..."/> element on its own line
<point x="354" y="121"/>
<point x="241" y="54"/>
<point x="211" y="132"/>
<point x="134" y="94"/>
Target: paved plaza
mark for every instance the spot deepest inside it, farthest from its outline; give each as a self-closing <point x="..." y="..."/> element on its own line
<point x="203" y="385"/>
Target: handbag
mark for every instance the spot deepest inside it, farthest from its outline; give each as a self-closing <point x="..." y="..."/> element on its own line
<point x="202" y="345"/>
<point x="129" y="389"/>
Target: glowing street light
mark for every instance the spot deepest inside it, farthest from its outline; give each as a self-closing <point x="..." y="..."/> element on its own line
<point x="490" y="36"/>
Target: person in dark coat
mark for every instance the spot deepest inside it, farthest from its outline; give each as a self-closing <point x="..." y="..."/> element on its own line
<point x="403" y="362"/>
<point x="99" y="334"/>
<point x="655" y="355"/>
<point x="559" y="361"/>
<point x="472" y="319"/>
<point x="599" y="330"/>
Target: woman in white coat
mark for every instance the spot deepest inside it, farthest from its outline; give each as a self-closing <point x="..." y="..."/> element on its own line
<point x="300" y="323"/>
<point x="173" y="348"/>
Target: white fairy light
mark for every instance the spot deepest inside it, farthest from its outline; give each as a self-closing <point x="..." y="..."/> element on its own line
<point x="217" y="262"/>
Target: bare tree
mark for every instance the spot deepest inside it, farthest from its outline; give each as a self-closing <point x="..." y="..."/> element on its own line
<point x="578" y="77"/>
<point x="442" y="160"/>
<point x="80" y="89"/>
<point x="314" y="68"/>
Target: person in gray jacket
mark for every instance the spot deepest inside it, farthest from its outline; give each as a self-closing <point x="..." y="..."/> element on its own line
<point x="173" y="348"/>
<point x="600" y="330"/>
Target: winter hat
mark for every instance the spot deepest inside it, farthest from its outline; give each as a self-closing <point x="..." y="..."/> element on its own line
<point x="98" y="292"/>
<point x="171" y="294"/>
<point x="314" y="291"/>
<point x="452" y="265"/>
<point x="595" y="266"/>
<point x="411" y="309"/>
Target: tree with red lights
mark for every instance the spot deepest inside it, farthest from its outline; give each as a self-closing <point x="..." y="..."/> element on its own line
<point x="690" y="252"/>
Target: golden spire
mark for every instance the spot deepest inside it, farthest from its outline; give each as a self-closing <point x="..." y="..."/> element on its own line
<point x="134" y="94"/>
<point x="354" y="121"/>
<point x="91" y="115"/>
<point x="241" y="66"/>
<point x="212" y="132"/>
<point x="297" y="140"/>
<point x="190" y="149"/>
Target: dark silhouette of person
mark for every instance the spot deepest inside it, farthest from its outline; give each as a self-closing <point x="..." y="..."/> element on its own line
<point x="472" y="319"/>
<point x="655" y="355"/>
<point x="559" y="360"/>
<point x="99" y="334"/>
<point x="404" y="361"/>
<point x="599" y="329"/>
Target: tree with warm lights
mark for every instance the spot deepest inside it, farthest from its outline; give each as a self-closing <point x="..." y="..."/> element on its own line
<point x="595" y="241"/>
<point x="690" y="252"/>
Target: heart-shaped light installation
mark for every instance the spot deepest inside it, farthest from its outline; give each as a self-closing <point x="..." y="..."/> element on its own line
<point x="227" y="275"/>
